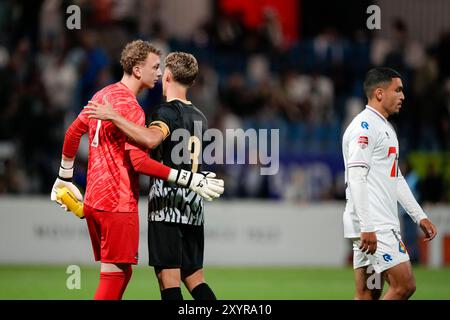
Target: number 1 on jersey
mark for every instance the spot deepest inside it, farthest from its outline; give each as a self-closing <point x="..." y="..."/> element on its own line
<point x="96" y="135"/>
<point x="393" y="150"/>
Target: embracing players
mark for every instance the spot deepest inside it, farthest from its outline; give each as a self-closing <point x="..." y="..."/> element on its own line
<point x="112" y="191"/>
<point x="176" y="215"/>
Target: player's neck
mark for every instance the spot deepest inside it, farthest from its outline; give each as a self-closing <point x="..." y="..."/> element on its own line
<point x="177" y="93"/>
<point x="131" y="84"/>
<point x="376" y="106"/>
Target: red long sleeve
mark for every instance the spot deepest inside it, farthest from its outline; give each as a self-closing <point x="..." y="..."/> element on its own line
<point x="142" y="163"/>
<point x="73" y="137"/>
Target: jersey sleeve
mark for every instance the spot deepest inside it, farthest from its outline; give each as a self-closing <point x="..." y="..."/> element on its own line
<point x="73" y="136"/>
<point x="361" y="143"/>
<point x="82" y="116"/>
<point x="164" y="119"/>
<point x="137" y="116"/>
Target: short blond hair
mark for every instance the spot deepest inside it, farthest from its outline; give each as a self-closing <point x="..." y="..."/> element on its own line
<point x="136" y="52"/>
<point x="183" y="66"/>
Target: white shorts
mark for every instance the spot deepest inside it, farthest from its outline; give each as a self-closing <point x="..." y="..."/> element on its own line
<point x="390" y="252"/>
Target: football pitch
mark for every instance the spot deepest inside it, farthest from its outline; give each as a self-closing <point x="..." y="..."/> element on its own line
<point x="229" y="283"/>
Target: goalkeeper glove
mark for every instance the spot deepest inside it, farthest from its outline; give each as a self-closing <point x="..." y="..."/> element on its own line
<point x="65" y="180"/>
<point x="202" y="183"/>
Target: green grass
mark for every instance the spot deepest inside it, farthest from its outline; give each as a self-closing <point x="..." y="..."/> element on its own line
<point x="49" y="282"/>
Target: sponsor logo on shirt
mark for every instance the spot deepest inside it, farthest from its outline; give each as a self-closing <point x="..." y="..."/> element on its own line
<point x="365" y="125"/>
<point x="363" y="142"/>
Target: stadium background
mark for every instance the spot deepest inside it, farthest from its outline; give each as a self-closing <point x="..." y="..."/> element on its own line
<point x="296" y="66"/>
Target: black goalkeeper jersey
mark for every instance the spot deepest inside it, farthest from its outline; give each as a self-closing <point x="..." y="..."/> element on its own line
<point x="181" y="149"/>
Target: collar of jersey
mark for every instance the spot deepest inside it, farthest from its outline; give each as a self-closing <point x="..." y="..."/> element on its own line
<point x="377" y="113"/>
<point x="186" y="102"/>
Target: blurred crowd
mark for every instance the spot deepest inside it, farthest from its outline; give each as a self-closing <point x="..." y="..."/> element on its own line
<point x="309" y="89"/>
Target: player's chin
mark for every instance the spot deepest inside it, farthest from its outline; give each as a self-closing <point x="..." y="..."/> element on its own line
<point x="149" y="85"/>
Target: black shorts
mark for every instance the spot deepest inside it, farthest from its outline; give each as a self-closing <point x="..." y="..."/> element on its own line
<point x="174" y="245"/>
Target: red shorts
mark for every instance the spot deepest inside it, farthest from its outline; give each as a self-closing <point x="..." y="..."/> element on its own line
<point x="114" y="235"/>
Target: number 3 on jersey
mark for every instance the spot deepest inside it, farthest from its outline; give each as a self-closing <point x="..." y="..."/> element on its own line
<point x="393" y="150"/>
<point x="194" y="151"/>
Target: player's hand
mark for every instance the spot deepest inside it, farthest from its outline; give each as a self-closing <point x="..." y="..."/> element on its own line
<point x="368" y="242"/>
<point x="428" y="228"/>
<point x="204" y="183"/>
<point x="100" y="111"/>
<point x="65" y="180"/>
<point x="59" y="183"/>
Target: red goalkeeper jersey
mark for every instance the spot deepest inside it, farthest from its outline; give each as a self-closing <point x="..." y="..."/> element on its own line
<point x="112" y="184"/>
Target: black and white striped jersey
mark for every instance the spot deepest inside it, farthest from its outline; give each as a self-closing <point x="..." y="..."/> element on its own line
<point x="183" y="126"/>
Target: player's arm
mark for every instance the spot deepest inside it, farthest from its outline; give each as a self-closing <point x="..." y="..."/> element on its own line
<point x="204" y="184"/>
<point x="414" y="210"/>
<point x="149" y="137"/>
<point x="71" y="143"/>
<point x="357" y="182"/>
<point x="362" y="141"/>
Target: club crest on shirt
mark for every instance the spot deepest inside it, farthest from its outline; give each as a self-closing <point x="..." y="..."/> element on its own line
<point x="363" y="142"/>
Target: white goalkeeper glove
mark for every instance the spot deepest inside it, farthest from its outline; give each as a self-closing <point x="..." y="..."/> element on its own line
<point x="65" y="180"/>
<point x="202" y="183"/>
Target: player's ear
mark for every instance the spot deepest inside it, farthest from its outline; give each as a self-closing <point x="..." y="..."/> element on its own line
<point x="136" y="72"/>
<point x="379" y="93"/>
<point x="168" y="76"/>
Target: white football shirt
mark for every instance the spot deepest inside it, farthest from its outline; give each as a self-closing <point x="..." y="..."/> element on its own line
<point x="371" y="141"/>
